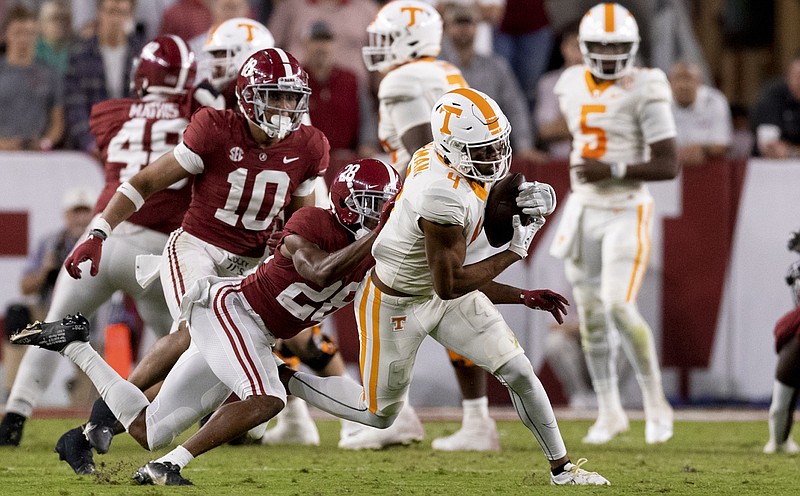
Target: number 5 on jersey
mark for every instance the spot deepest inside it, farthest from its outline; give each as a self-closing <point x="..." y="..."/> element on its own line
<point x="599" y="149"/>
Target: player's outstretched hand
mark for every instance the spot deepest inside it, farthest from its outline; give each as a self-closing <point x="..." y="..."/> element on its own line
<point x="524" y="233"/>
<point x="536" y="198"/>
<point x="91" y="249"/>
<point x="549" y="301"/>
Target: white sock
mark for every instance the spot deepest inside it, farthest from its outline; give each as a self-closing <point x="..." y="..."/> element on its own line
<point x="180" y="456"/>
<point x="608" y="400"/>
<point x="123" y="398"/>
<point x="781" y="410"/>
<point x="652" y="394"/>
<point x="475" y="410"/>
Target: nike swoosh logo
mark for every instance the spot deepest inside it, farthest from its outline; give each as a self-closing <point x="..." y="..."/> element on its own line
<point x="287" y="160"/>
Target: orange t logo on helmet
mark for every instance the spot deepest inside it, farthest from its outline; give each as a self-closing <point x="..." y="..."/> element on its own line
<point x="449" y="112"/>
<point x="413" y="11"/>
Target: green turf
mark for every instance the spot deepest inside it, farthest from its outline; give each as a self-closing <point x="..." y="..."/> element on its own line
<point x="704" y="458"/>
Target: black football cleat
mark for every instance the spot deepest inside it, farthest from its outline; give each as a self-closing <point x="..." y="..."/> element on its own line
<point x="161" y="474"/>
<point x="99" y="437"/>
<point x="73" y="448"/>
<point x="54" y="336"/>
<point x="11" y="429"/>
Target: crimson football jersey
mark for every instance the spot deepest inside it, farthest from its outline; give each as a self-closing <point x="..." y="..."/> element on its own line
<point x="243" y="186"/>
<point x="286" y="302"/>
<point x="132" y="133"/>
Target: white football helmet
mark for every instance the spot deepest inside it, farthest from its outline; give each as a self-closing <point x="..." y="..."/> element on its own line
<point x="230" y="44"/>
<point x="402" y="31"/>
<point x="608" y="24"/>
<point x="471" y="133"/>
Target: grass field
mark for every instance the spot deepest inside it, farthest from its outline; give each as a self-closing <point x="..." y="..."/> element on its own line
<point x="704" y="458"/>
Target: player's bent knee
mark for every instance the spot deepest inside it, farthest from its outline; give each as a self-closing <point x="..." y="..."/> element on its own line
<point x="517" y="374"/>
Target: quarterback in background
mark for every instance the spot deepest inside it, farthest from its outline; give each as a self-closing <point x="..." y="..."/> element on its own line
<point x="404" y="40"/>
<point x="623" y="135"/>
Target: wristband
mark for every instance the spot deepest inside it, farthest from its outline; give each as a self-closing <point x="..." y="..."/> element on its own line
<point x="100" y="228"/>
<point x="618" y="169"/>
<point x="131" y="194"/>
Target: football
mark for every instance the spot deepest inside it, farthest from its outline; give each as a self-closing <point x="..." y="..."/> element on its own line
<point x="501" y="207"/>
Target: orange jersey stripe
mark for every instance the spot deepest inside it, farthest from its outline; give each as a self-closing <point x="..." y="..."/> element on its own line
<point x="375" y="353"/>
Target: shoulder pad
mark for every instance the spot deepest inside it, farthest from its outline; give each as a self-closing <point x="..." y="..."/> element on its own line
<point x="400" y="84"/>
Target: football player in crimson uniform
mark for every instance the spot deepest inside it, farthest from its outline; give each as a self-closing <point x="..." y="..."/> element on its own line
<point x="228" y="46"/>
<point x="130" y="132"/>
<point x="421" y="286"/>
<point x="623" y="135"/>
<point x="323" y="256"/>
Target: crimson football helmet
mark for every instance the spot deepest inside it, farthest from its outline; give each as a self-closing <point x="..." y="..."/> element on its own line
<point x="165" y="66"/>
<point x="273" y="91"/>
<point x="359" y="191"/>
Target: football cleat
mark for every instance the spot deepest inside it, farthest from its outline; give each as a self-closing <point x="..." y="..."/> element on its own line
<point x="658" y="428"/>
<point x="99" y="437"/>
<point x="574" y="475"/>
<point x="480" y="435"/>
<point x="73" y="448"/>
<point x="294" y="425"/>
<point x="606" y="428"/>
<point x="11" y="429"/>
<point x="789" y="446"/>
<point x="405" y="430"/>
<point x="161" y="474"/>
<point x="54" y="336"/>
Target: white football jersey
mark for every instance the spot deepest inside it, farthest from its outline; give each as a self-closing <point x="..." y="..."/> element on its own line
<point x="435" y="192"/>
<point x="407" y="94"/>
<point x="614" y="121"/>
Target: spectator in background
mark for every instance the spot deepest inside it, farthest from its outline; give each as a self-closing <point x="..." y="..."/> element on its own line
<point x="99" y="69"/>
<point x="525" y="38"/>
<point x="31" y="97"/>
<point x="490" y="74"/>
<point x="187" y="19"/>
<point x="489" y="14"/>
<point x="776" y="117"/>
<point x="221" y="11"/>
<point x="146" y="19"/>
<point x="702" y="115"/>
<point x="339" y="105"/>
<point x="348" y="19"/>
<point x="55" y="35"/>
<point x="743" y="139"/>
<point x="551" y="128"/>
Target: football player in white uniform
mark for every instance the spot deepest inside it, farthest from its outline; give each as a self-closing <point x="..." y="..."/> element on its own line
<point x="404" y="40"/>
<point x="623" y="135"/>
<point x="421" y="287"/>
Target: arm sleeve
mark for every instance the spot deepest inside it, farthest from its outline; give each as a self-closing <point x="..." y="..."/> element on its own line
<point x="189" y="160"/>
<point x="205" y="131"/>
<point x="657" y="122"/>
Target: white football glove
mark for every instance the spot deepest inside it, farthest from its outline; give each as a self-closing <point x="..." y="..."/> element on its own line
<point x="523" y="235"/>
<point x="536" y="198"/>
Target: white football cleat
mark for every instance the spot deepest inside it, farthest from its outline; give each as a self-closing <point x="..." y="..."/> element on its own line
<point x="789" y="446"/>
<point x="658" y="428"/>
<point x="294" y="426"/>
<point x="474" y="435"/>
<point x="606" y="428"/>
<point x="574" y="475"/>
<point x="405" y="430"/>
